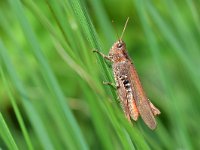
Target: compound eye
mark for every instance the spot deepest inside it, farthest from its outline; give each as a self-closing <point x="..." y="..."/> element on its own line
<point x="119" y="45"/>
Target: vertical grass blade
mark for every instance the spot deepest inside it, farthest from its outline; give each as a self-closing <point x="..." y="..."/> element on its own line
<point x="179" y="49"/>
<point x="30" y="110"/>
<point x="88" y="29"/>
<point x="17" y="112"/>
<point x="6" y="135"/>
<point x="48" y="74"/>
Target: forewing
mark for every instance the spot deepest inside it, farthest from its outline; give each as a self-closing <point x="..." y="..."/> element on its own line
<point x="142" y="102"/>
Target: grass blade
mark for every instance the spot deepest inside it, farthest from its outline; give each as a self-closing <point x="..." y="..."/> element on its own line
<point x="17" y="112"/>
<point x="48" y="74"/>
<point x="6" y="135"/>
<point x="31" y="112"/>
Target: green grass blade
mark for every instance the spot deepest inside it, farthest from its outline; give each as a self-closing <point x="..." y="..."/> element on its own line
<point x="181" y="130"/>
<point x="88" y="30"/>
<point x="176" y="44"/>
<point x="17" y="112"/>
<point x="6" y="135"/>
<point x="103" y="22"/>
<point x="195" y="14"/>
<point x="31" y="112"/>
<point x="48" y="74"/>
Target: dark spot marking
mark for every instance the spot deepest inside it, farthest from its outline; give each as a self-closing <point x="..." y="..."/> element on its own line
<point x="127" y="86"/>
<point x="125" y="82"/>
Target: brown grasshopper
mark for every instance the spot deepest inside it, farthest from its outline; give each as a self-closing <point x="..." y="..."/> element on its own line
<point x="131" y="94"/>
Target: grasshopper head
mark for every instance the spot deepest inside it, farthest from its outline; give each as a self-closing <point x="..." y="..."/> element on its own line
<point x="118" y="51"/>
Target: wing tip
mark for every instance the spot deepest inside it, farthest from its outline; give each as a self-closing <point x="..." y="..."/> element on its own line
<point x="152" y="126"/>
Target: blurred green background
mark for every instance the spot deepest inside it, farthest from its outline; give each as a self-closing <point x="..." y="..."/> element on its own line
<point x="51" y="91"/>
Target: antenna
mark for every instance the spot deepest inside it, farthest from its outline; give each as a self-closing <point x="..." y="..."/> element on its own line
<point x="115" y="29"/>
<point x="124" y="28"/>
